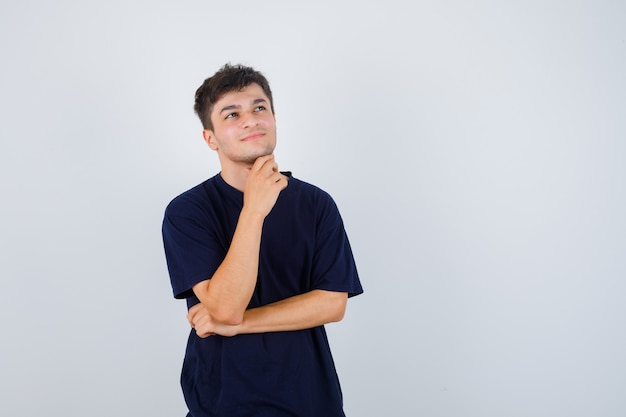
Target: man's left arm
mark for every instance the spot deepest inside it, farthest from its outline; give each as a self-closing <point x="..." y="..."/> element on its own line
<point x="303" y="311"/>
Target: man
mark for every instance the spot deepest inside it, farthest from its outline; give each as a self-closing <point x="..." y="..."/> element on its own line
<point x="264" y="263"/>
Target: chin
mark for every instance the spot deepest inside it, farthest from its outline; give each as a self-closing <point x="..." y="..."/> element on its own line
<point x="249" y="159"/>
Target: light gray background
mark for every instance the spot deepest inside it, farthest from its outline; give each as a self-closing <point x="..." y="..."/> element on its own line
<point x="476" y="151"/>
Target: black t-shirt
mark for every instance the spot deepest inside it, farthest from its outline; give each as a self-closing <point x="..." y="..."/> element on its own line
<point x="303" y="247"/>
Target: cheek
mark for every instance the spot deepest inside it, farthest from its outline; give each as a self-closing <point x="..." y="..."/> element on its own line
<point x="228" y="134"/>
<point x="269" y="124"/>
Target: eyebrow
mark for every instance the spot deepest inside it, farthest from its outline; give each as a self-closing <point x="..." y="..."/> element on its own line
<point x="237" y="106"/>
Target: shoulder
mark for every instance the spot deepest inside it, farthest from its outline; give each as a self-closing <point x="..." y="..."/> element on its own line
<point x="311" y="198"/>
<point x="190" y="213"/>
<point x="307" y="190"/>
<point x="192" y="199"/>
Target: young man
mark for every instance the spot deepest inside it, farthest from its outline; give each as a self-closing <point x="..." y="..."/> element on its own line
<point x="263" y="261"/>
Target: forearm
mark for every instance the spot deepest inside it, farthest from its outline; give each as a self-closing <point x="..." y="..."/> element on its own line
<point x="227" y="294"/>
<point x="303" y="311"/>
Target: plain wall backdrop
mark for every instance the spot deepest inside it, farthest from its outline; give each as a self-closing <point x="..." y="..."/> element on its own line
<point x="476" y="150"/>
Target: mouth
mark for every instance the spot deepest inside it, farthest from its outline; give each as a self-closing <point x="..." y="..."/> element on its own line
<point x="253" y="136"/>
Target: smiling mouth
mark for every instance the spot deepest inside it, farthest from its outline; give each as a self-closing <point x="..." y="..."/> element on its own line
<point x="253" y="136"/>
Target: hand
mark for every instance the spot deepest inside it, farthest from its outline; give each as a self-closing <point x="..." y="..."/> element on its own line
<point x="200" y="319"/>
<point x="264" y="184"/>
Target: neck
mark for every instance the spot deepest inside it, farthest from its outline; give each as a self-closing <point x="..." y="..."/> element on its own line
<point x="236" y="176"/>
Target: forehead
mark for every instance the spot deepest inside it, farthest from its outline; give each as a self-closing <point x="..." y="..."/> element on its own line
<point x="244" y="97"/>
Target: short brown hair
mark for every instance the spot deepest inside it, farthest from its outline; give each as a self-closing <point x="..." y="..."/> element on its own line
<point x="229" y="78"/>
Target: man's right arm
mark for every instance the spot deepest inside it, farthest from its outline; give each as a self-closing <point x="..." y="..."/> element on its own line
<point x="227" y="294"/>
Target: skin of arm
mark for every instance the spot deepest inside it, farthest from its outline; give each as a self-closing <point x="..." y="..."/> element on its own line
<point x="303" y="311"/>
<point x="227" y="294"/>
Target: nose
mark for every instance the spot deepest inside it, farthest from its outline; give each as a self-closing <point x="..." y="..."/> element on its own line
<point x="249" y="120"/>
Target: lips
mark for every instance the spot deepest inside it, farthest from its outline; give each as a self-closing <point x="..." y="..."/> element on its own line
<point x="253" y="136"/>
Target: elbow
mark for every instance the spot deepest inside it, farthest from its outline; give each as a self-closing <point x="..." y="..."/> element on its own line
<point x="233" y="320"/>
<point x="221" y="312"/>
<point x="227" y="317"/>
<point x="337" y="316"/>
<point x="338" y="310"/>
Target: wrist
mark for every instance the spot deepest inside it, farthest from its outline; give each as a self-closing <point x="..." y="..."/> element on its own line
<point x="251" y="216"/>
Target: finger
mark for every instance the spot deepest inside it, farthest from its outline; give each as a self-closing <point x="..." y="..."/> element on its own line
<point x="278" y="177"/>
<point x="191" y="314"/>
<point x="195" y="308"/>
<point x="260" y="162"/>
<point x="269" y="167"/>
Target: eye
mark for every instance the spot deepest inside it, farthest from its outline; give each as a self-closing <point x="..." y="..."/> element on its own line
<point x="231" y="115"/>
<point x="259" y="108"/>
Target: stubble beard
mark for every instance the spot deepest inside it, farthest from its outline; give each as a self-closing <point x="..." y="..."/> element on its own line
<point x="249" y="159"/>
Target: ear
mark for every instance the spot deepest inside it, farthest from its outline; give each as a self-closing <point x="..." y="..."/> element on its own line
<point x="209" y="138"/>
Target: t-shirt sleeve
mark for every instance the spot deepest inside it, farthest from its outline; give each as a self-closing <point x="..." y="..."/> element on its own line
<point x="192" y="251"/>
<point x="334" y="268"/>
